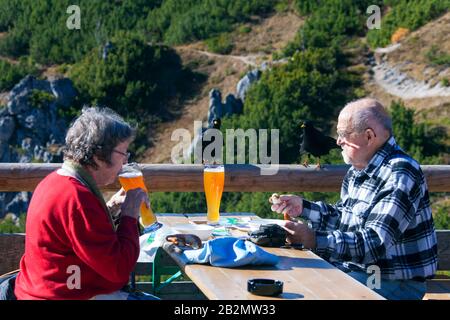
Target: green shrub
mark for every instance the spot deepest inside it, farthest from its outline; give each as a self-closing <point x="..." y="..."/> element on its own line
<point x="40" y="99"/>
<point x="176" y="22"/>
<point x="441" y="215"/>
<point x="10" y="73"/>
<point x="436" y="57"/>
<point x="10" y="225"/>
<point x="244" y="29"/>
<point x="405" y="14"/>
<point x="221" y="44"/>
<point x="308" y="87"/>
<point x="425" y="143"/>
<point x="135" y="79"/>
<point x="282" y="6"/>
<point x="39" y="27"/>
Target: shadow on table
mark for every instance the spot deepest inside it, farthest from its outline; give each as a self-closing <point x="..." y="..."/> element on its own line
<point x="291" y="296"/>
<point x="289" y="263"/>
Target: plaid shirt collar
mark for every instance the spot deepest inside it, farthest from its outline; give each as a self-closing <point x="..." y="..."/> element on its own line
<point x="377" y="159"/>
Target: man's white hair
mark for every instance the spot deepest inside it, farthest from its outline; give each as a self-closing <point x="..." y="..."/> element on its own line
<point x="365" y="111"/>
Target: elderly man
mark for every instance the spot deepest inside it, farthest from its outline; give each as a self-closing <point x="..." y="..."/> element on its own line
<point x="383" y="221"/>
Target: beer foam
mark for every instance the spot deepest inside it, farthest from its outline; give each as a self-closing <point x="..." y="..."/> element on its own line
<point x="132" y="174"/>
<point x="214" y="169"/>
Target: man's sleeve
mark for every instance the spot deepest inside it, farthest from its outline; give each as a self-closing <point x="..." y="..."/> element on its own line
<point x="395" y="206"/>
<point x="323" y="216"/>
<point x="111" y="254"/>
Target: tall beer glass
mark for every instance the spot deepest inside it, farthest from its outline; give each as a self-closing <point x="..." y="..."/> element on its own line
<point x="130" y="178"/>
<point x="213" y="180"/>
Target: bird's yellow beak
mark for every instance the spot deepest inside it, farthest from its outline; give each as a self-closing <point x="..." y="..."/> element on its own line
<point x="302" y="125"/>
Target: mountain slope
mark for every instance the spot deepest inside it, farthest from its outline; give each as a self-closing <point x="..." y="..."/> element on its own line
<point x="250" y="49"/>
<point x="407" y="71"/>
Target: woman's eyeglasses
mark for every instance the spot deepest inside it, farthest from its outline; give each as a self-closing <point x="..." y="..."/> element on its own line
<point x="126" y="155"/>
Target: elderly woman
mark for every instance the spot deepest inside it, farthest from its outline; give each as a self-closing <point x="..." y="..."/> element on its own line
<point x="74" y="249"/>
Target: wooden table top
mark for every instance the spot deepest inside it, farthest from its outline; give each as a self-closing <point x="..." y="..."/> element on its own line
<point x="304" y="274"/>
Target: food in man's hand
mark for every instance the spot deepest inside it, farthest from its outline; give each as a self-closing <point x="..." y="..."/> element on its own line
<point x="275" y="199"/>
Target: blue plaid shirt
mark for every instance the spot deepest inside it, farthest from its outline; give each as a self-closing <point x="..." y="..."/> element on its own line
<point x="383" y="218"/>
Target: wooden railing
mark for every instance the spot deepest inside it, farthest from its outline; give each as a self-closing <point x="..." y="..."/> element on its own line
<point x="246" y="178"/>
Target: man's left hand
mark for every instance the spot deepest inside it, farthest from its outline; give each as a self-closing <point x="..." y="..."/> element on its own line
<point x="300" y="233"/>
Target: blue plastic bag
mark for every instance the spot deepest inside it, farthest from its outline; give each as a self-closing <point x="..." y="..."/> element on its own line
<point x="229" y="252"/>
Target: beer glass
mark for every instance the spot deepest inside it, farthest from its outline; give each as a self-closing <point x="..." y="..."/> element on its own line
<point x="213" y="181"/>
<point x="130" y="177"/>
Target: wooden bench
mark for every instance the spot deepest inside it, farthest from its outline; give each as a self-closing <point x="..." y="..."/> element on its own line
<point x="439" y="287"/>
<point x="168" y="288"/>
<point x="12" y="247"/>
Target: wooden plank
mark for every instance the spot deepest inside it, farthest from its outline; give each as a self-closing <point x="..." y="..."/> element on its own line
<point x="246" y="178"/>
<point x="179" y="290"/>
<point x="443" y="241"/>
<point x="438" y="289"/>
<point x="305" y="276"/>
<point x="143" y="268"/>
<point x="12" y="248"/>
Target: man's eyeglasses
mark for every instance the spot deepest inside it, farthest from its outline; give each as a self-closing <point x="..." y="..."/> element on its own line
<point x="126" y="155"/>
<point x="345" y="134"/>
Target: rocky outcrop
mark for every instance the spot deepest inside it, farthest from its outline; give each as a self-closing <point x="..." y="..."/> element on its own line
<point x="32" y="129"/>
<point x="234" y="103"/>
<point x="244" y="84"/>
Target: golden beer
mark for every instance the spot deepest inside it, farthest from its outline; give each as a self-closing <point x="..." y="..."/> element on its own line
<point x="213" y="180"/>
<point x="133" y="180"/>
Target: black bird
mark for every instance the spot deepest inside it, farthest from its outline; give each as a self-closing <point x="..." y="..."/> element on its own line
<point x="315" y="142"/>
<point x="215" y="124"/>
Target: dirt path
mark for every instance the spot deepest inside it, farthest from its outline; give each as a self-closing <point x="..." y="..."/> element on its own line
<point x="224" y="72"/>
<point x="250" y="59"/>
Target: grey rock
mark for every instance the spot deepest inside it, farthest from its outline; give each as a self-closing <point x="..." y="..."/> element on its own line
<point x="7" y="127"/>
<point x="106" y="49"/>
<point x="232" y="105"/>
<point x="244" y="84"/>
<point x="30" y="133"/>
<point x="64" y="91"/>
<point x="18" y="204"/>
<point x="215" y="110"/>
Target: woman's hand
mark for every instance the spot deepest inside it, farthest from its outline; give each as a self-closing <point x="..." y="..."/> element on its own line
<point x="115" y="202"/>
<point x="132" y="203"/>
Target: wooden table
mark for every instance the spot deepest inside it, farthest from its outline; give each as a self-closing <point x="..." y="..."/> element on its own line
<point x="304" y="274"/>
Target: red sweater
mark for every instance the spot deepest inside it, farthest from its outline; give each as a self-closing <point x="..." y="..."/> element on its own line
<point x="68" y="230"/>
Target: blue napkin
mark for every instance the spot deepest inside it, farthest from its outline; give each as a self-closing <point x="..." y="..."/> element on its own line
<point x="229" y="252"/>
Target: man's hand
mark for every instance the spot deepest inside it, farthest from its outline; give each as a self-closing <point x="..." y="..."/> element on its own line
<point x="300" y="233"/>
<point x="287" y="204"/>
<point x="132" y="203"/>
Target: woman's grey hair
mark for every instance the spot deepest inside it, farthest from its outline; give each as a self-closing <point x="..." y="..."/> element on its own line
<point x="371" y="110"/>
<point x="97" y="131"/>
